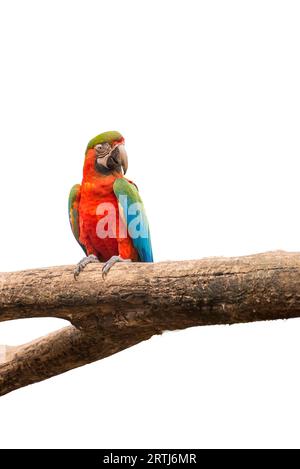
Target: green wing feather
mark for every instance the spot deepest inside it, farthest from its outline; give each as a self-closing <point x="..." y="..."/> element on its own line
<point x="74" y="199"/>
<point x="127" y="195"/>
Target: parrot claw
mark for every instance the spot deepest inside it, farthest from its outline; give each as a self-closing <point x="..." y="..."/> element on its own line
<point x="91" y="259"/>
<point x="109" y="264"/>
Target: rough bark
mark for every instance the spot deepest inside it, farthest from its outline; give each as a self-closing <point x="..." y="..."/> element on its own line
<point x="135" y="302"/>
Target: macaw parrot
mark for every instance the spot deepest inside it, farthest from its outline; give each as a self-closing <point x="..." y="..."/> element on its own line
<point x="107" y="215"/>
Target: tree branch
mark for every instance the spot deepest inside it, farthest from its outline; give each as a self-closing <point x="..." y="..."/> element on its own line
<point x="136" y="302"/>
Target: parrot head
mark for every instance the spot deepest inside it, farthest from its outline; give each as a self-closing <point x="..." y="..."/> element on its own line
<point x="107" y="153"/>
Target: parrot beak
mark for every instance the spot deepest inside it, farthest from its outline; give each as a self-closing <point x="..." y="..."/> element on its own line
<point x="123" y="158"/>
<point x="116" y="160"/>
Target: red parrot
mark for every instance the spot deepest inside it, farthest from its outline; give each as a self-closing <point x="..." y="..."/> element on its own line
<point x="106" y="213"/>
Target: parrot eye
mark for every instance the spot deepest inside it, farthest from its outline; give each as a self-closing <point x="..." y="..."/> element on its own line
<point x="102" y="149"/>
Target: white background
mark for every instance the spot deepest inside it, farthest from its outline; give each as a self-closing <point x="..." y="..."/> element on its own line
<point x="207" y="96"/>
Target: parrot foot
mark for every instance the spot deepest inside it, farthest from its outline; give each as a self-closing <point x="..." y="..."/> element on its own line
<point x="91" y="259"/>
<point x="109" y="264"/>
